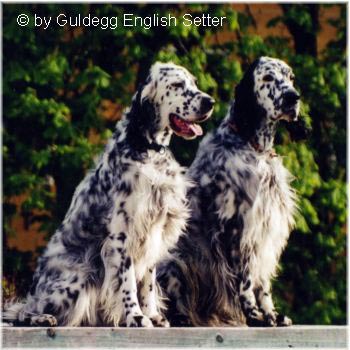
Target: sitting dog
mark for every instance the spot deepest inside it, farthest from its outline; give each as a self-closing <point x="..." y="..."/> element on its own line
<point x="243" y="207"/>
<point x="99" y="266"/>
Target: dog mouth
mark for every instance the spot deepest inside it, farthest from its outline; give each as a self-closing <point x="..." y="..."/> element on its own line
<point x="291" y="114"/>
<point x="185" y="128"/>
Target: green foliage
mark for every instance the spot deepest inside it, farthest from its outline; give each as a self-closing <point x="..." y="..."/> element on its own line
<point x="314" y="265"/>
<point x="56" y="79"/>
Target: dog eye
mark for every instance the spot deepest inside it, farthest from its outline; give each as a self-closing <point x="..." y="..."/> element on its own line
<point x="292" y="78"/>
<point x="268" y="77"/>
<point x="180" y="84"/>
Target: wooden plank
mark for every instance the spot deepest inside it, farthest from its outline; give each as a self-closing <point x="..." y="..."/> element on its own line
<point x="331" y="337"/>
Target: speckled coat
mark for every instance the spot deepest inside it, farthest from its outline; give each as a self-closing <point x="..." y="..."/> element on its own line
<point x="242" y="208"/>
<point x="99" y="266"/>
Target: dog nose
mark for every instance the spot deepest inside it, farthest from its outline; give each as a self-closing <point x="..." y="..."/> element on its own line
<point x="207" y="104"/>
<point x="291" y="97"/>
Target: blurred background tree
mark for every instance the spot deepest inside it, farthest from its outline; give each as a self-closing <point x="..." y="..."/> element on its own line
<point x="65" y="88"/>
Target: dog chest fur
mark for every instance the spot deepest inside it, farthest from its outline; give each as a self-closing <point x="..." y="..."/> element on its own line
<point x="158" y="210"/>
<point x="259" y="193"/>
<point x="268" y="220"/>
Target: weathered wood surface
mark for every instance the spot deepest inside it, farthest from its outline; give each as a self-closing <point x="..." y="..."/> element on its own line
<point x="305" y="337"/>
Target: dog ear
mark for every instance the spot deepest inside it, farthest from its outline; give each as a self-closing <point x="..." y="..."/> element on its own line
<point x="298" y="130"/>
<point x="137" y="115"/>
<point x="141" y="115"/>
<point x="149" y="87"/>
<point x="141" y="101"/>
<point x="246" y="114"/>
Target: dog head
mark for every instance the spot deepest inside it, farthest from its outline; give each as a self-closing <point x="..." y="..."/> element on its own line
<point x="170" y="100"/>
<point x="274" y="90"/>
<point x="265" y="92"/>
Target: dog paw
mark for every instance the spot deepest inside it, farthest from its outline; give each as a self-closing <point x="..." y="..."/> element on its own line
<point x="159" y="321"/>
<point x="43" y="320"/>
<point x="270" y="320"/>
<point x="256" y="319"/>
<point x="283" y="321"/>
<point x="255" y="322"/>
<point x="138" y="321"/>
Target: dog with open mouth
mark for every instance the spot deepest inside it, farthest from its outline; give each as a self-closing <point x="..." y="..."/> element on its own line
<point x="99" y="266"/>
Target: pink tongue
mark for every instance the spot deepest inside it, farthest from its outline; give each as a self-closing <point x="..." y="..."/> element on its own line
<point x="197" y="130"/>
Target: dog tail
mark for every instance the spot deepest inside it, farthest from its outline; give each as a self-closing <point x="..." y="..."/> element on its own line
<point x="12" y="310"/>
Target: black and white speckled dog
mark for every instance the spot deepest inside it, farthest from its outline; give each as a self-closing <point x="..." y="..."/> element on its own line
<point x="99" y="266"/>
<point x="243" y="208"/>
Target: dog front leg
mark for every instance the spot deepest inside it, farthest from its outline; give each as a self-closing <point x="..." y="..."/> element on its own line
<point x="272" y="318"/>
<point x="150" y="299"/>
<point x="133" y="314"/>
<point x="254" y="317"/>
<point x="119" y="300"/>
